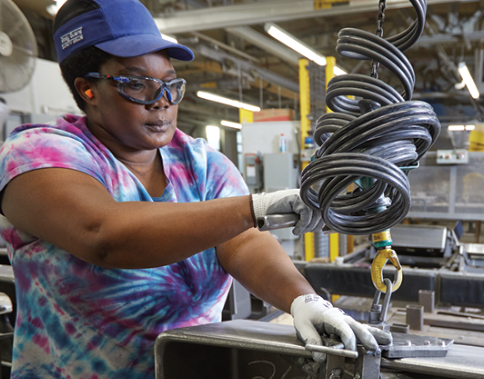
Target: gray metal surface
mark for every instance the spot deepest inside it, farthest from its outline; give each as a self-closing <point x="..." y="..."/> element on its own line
<point x="448" y="191"/>
<point x="238" y="305"/>
<point x="242" y="334"/>
<point x="262" y="338"/>
<point x="415" y="317"/>
<point x="412" y="345"/>
<point x="280" y="221"/>
<point x="237" y="349"/>
<point x="280" y="171"/>
<point x="259" y="12"/>
<point x="338" y="351"/>
<point x="474" y="250"/>
<point x="321" y="245"/>
<point x="419" y="236"/>
<point x="462" y="361"/>
<point x="266" y="43"/>
<point x="427" y="300"/>
<point x="6" y="273"/>
<point x="367" y="366"/>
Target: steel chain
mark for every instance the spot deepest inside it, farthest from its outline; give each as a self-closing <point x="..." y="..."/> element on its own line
<point x="379" y="32"/>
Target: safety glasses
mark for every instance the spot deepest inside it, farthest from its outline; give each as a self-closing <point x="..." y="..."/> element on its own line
<point x="145" y="89"/>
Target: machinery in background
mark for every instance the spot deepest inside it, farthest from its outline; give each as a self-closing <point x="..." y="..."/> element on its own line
<point x="253" y="171"/>
<point x="267" y="169"/>
<point x="444" y="284"/>
<point x="444" y="189"/>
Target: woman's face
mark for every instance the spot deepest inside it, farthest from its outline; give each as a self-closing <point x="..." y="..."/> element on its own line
<point x="133" y="126"/>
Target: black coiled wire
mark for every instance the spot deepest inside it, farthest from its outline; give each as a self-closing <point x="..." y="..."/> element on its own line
<point x="380" y="136"/>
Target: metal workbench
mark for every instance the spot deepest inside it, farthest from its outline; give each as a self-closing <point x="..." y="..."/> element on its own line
<point x="244" y="349"/>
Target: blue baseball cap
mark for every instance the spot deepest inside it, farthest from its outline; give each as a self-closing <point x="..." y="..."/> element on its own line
<point x="123" y="28"/>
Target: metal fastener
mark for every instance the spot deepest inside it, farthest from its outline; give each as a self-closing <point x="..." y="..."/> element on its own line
<point x="335" y="374"/>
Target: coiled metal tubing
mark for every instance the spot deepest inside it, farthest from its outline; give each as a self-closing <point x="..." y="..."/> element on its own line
<point x="378" y="136"/>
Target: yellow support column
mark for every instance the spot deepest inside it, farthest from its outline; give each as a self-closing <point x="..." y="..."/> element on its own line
<point x="330" y="65"/>
<point x="305" y="106"/>
<point x="333" y="246"/>
<point x="245" y="116"/>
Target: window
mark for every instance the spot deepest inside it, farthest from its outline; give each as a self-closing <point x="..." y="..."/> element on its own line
<point x="213" y="136"/>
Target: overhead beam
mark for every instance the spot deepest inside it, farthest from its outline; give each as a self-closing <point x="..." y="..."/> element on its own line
<point x="225" y="46"/>
<point x="265" y="43"/>
<point x="229" y="16"/>
<point x="267" y="75"/>
<point x="276" y="90"/>
<point x="449" y="38"/>
<point x="223" y="84"/>
<point x="191" y="68"/>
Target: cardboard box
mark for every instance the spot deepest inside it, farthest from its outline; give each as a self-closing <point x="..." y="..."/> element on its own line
<point x="266" y="115"/>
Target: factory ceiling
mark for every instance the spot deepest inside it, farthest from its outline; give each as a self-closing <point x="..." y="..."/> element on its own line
<point x="236" y="58"/>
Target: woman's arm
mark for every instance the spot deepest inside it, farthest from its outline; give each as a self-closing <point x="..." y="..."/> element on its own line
<point x="76" y="213"/>
<point x="262" y="266"/>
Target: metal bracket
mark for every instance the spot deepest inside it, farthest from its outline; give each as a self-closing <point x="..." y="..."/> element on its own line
<point x="378" y="312"/>
<point x="365" y="366"/>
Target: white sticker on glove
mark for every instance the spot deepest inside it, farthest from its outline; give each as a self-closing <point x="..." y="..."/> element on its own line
<point x="316" y="298"/>
<point x="309" y="298"/>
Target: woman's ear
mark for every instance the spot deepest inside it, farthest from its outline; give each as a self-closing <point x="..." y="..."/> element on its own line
<point x="84" y="89"/>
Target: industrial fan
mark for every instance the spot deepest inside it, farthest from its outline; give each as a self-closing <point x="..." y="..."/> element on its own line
<point x="18" y="48"/>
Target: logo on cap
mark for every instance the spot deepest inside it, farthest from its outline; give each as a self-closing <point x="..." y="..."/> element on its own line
<point x="71" y="38"/>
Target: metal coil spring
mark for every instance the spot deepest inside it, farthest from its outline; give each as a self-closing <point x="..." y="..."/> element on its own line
<point x="375" y="140"/>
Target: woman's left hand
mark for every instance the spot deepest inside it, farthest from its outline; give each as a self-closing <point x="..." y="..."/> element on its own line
<point x="313" y="316"/>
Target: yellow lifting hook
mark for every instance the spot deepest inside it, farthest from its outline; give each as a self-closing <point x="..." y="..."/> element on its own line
<point x="382" y="256"/>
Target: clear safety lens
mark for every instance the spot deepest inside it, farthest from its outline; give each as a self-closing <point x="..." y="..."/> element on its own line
<point x="149" y="90"/>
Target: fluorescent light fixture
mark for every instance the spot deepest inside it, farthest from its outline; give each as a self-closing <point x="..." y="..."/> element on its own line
<point x="230" y="124"/>
<point x="456" y="128"/>
<point x="470" y="127"/>
<point x="54" y="8"/>
<point x="338" y="71"/>
<point x="168" y="38"/>
<point x="295" y="44"/>
<point x="467" y="78"/>
<point x="213" y="136"/>
<point x="460" y="85"/>
<point x="224" y="100"/>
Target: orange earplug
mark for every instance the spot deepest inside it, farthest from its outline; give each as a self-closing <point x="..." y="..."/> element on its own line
<point x="89" y="93"/>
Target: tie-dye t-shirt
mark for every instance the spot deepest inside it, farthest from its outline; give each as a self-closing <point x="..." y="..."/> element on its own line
<point x="76" y="320"/>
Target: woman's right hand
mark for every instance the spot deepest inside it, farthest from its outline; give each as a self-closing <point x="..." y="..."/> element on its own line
<point x="284" y="202"/>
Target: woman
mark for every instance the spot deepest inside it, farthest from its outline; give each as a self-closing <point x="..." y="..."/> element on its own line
<point x="119" y="226"/>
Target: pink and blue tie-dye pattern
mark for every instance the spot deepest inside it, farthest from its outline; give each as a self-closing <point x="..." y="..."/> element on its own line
<point x="76" y="320"/>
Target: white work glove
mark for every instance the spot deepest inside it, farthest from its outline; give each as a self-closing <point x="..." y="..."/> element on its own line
<point x="287" y="201"/>
<point x="314" y="316"/>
